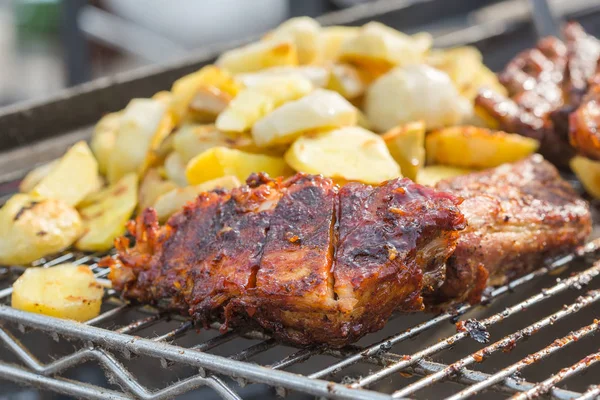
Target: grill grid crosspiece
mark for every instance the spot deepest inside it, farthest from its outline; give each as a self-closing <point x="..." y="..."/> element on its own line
<point x="104" y="347"/>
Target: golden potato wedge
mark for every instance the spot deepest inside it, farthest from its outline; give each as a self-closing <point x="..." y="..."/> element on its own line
<point x="221" y="161"/>
<point x="259" y="55"/>
<point x="73" y="178"/>
<point x="191" y="140"/>
<point x="321" y="109"/>
<point x="377" y="48"/>
<point x="65" y="291"/>
<point x="473" y="147"/>
<point x="255" y="102"/>
<point x="346" y="80"/>
<point x="104" y="216"/>
<point x="317" y="75"/>
<point x="588" y="172"/>
<point x="35" y="176"/>
<point x="333" y="38"/>
<point x="153" y="185"/>
<point x="145" y="123"/>
<point x="415" y="93"/>
<point x="432" y="174"/>
<point x="103" y="139"/>
<point x="304" y="33"/>
<point x="204" y="93"/>
<point x="172" y="201"/>
<point x="350" y="153"/>
<point x="174" y="169"/>
<point x="464" y="65"/>
<point x="32" y="227"/>
<point x="406" y="144"/>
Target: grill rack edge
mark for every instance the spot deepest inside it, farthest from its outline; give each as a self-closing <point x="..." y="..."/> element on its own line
<point x="102" y="343"/>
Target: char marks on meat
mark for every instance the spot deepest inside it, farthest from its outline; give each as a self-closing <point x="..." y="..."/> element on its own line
<point x="302" y="259"/>
<point x="546" y="85"/>
<point x="519" y="216"/>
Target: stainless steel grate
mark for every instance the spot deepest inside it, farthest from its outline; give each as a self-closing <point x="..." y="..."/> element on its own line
<point x="113" y="345"/>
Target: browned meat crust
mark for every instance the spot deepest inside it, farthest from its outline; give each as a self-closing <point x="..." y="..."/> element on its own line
<point x="545" y="85"/>
<point x="302" y="259"/>
<point x="519" y="216"/>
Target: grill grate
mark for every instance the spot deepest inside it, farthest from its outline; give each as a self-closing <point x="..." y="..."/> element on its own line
<point x="114" y="348"/>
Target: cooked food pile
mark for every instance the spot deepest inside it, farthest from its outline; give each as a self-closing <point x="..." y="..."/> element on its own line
<point x="302" y="258"/>
<point x="313" y="264"/>
<point x="326" y="239"/>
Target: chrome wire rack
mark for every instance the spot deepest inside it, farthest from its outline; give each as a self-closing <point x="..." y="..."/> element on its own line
<point x="124" y="335"/>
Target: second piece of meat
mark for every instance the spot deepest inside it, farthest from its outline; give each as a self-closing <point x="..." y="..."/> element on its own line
<point x="519" y="216"/>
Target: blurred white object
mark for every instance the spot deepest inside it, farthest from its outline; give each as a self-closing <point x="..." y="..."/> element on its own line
<point x="196" y="23"/>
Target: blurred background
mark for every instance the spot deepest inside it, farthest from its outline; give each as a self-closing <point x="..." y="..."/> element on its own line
<point x="46" y="45"/>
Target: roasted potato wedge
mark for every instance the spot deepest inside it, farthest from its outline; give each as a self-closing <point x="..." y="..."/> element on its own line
<point x="260" y="55"/>
<point x="304" y="33"/>
<point x="377" y="48"/>
<point x="432" y="174"/>
<point x="191" y="140"/>
<point x="317" y="75"/>
<point x="65" y="291"/>
<point x="32" y="227"/>
<point x="174" y="169"/>
<point x="221" y="161"/>
<point x="415" y="93"/>
<point x="345" y="154"/>
<point x="406" y="144"/>
<point x="321" y="109"/>
<point x="473" y="147"/>
<point x="153" y="185"/>
<point x="145" y="123"/>
<point x="346" y="80"/>
<point x="35" y="176"/>
<point x="172" y="201"/>
<point x="105" y="214"/>
<point x="73" y="178"/>
<point x="464" y="65"/>
<point x="255" y="102"/>
<point x="333" y="38"/>
<point x="204" y="93"/>
<point x="588" y="172"/>
<point x="103" y="139"/>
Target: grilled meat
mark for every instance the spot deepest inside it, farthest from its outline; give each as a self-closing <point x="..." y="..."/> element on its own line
<point x="519" y="216"/>
<point x="584" y="123"/>
<point x="302" y="259"/>
<point x="545" y="84"/>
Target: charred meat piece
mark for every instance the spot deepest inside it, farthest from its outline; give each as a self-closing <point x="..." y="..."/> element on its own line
<point x="519" y="216"/>
<point x="302" y="259"/>
<point x="584" y="124"/>
<point x="545" y="85"/>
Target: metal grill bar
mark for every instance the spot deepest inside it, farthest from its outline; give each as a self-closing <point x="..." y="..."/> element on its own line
<point x="214" y="363"/>
<point x="565" y="373"/>
<point x="505" y="343"/>
<point x="509" y="311"/>
<point x="60" y="385"/>
<point x="377" y="348"/>
<point x="591" y="394"/>
<point x="377" y="354"/>
<point x="557" y="345"/>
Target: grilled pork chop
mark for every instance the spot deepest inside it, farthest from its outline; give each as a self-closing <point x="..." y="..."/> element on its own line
<point x="302" y="259"/>
<point x="519" y="216"/>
